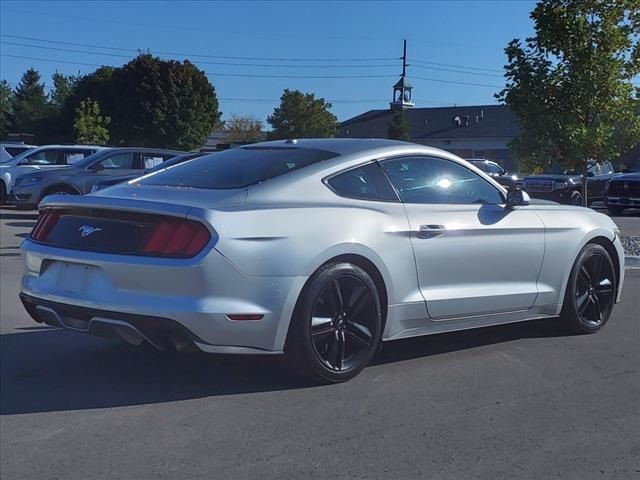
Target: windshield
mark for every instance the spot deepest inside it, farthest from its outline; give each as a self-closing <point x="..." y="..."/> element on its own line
<point x="237" y="168"/>
<point x="20" y="156"/>
<point x="557" y="169"/>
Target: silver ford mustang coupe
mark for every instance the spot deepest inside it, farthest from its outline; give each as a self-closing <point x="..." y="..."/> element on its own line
<point x="318" y="249"/>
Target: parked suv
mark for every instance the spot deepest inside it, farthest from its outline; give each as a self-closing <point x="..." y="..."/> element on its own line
<point x="496" y="171"/>
<point x="8" y="150"/>
<point x="41" y="159"/>
<point x="79" y="179"/>
<point x="565" y="186"/>
<point x="623" y="191"/>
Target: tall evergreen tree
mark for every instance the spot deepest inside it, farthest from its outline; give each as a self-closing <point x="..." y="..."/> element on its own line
<point x="29" y="103"/>
<point x="62" y="89"/>
<point x="6" y="108"/>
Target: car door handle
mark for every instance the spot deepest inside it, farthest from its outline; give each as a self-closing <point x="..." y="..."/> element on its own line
<point x="431" y="231"/>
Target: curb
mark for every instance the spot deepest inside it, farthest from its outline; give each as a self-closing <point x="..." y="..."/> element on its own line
<point x="631" y="262"/>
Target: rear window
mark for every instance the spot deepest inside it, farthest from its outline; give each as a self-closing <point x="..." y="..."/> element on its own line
<point x="237" y="168"/>
<point x="13" y="151"/>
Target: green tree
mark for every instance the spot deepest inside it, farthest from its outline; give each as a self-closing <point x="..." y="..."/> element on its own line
<point x="29" y="104"/>
<point x="571" y="84"/>
<point x="90" y="126"/>
<point x="97" y="86"/>
<point x="62" y="88"/>
<point x="301" y="115"/>
<point x="398" y="129"/>
<point x="161" y="103"/>
<point x="244" y="128"/>
<point x="6" y="108"/>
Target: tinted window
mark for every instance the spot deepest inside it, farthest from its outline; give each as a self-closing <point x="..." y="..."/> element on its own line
<point x="119" y="161"/>
<point x="366" y="182"/>
<point x="434" y="180"/>
<point x="43" y="157"/>
<point x="238" y="167"/>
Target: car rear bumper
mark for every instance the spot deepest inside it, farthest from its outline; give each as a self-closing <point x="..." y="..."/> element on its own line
<point x="627" y="202"/>
<point x="179" y="303"/>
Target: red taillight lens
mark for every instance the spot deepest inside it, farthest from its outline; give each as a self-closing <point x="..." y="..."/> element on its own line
<point x="44" y="225"/>
<point x="177" y="238"/>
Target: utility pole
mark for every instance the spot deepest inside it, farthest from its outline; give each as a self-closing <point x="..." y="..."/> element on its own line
<point x="404" y="59"/>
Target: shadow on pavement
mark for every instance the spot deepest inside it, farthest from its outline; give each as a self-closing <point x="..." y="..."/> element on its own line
<point x="45" y="370"/>
<point x="10" y="213"/>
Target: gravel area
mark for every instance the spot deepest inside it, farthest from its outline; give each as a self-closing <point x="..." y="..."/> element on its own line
<point x="631" y="245"/>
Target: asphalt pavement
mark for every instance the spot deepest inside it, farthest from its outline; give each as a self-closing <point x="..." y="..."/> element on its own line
<point x="525" y="401"/>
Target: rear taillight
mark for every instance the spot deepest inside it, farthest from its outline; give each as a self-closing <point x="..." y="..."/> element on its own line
<point x="177" y="238"/>
<point x="46" y="221"/>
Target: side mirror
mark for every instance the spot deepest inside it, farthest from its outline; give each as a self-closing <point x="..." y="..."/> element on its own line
<point x="96" y="167"/>
<point x="590" y="174"/>
<point x="24" y="161"/>
<point x="516" y="197"/>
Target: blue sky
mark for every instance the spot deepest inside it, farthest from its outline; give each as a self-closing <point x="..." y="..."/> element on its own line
<point x="468" y="34"/>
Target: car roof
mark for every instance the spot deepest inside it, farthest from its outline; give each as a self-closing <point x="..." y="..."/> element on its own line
<point x="340" y="146"/>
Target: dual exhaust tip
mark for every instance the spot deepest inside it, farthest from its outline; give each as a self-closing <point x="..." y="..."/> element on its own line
<point x="114" y="329"/>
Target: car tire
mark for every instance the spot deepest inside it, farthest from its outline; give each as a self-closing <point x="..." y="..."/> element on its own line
<point x="615" y="210"/>
<point x="575" y="199"/>
<point x="336" y="326"/>
<point x="3" y="193"/>
<point x="591" y="290"/>
<point x="61" y="190"/>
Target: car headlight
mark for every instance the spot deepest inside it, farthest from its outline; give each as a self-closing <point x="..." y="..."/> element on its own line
<point x="560" y="185"/>
<point x="28" y="180"/>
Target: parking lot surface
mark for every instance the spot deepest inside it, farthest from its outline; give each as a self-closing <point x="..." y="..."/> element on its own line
<point x="518" y="401"/>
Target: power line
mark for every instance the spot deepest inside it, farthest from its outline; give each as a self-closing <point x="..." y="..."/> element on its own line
<point x="233" y="64"/>
<point x="456" y="71"/>
<point x="414" y="60"/>
<point x="228" y="57"/>
<point x="456" y="82"/>
<point x="216" y="74"/>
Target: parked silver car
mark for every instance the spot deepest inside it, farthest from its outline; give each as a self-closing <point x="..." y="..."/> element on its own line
<point x="78" y="179"/>
<point x="41" y="158"/>
<point x="316" y="248"/>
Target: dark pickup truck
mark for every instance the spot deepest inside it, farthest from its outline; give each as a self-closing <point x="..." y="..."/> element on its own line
<point x="623" y="191"/>
<point x="565" y="186"/>
<point x="496" y="171"/>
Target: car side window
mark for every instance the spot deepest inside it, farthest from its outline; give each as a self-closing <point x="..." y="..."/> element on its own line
<point x="150" y="160"/>
<point x="69" y="157"/>
<point x="119" y="161"/>
<point x="607" y="168"/>
<point x="43" y="157"/>
<point x="438" y="181"/>
<point x="494" y="169"/>
<point x="366" y="183"/>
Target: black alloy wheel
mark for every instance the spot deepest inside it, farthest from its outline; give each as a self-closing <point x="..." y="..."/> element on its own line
<point x="591" y="290"/>
<point x="337" y="324"/>
<point x="342" y="323"/>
